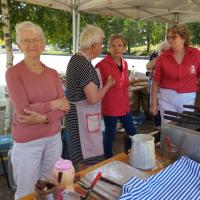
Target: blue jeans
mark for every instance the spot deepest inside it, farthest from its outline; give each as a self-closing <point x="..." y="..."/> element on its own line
<point x="110" y="130"/>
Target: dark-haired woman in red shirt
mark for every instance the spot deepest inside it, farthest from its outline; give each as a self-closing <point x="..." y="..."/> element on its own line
<point x="176" y="73"/>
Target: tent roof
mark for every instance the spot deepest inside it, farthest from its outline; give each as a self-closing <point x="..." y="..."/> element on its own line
<point x="171" y="11"/>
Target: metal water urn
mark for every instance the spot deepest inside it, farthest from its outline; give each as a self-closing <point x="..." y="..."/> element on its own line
<point x="142" y="155"/>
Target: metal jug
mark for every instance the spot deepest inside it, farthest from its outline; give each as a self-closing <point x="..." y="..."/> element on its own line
<point x="142" y="153"/>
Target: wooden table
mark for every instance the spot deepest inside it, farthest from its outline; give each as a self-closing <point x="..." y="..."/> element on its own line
<point x="120" y="157"/>
<point x="140" y="85"/>
<point x="123" y="158"/>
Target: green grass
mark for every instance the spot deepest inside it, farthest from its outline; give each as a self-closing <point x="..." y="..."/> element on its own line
<point x="141" y="50"/>
<point x="1" y="42"/>
<point x="55" y="52"/>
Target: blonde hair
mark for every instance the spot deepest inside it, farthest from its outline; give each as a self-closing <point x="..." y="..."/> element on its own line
<point x="90" y="35"/>
<point x="163" y="46"/>
<point x="116" y="36"/>
<point x="28" y="25"/>
<point x="182" y="31"/>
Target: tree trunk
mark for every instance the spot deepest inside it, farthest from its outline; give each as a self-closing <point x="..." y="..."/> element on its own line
<point x="9" y="53"/>
<point x="148" y="44"/>
<point x="70" y="49"/>
<point x="129" y="48"/>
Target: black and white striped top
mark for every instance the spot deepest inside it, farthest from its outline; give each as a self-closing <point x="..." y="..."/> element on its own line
<point x="79" y="73"/>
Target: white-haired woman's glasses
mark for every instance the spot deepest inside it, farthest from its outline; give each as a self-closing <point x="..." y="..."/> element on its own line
<point x="29" y="41"/>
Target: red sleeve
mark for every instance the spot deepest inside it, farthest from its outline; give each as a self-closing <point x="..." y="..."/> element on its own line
<point x="198" y="67"/>
<point x="100" y="66"/>
<point x="56" y="114"/>
<point x="44" y="107"/>
<point x="157" y="72"/>
<point x="41" y="107"/>
<point x="127" y="77"/>
<point x="59" y="86"/>
<point x="18" y="94"/>
<point x="52" y="115"/>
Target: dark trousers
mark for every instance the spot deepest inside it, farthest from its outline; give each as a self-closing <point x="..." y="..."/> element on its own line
<point x="157" y="119"/>
<point x="110" y="130"/>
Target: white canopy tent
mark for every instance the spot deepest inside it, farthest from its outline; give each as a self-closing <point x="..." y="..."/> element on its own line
<point x="169" y="11"/>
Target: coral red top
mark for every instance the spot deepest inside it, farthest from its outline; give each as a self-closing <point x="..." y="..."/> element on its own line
<point x="34" y="92"/>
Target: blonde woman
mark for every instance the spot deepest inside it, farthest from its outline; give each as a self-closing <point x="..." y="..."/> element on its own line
<point x="115" y="104"/>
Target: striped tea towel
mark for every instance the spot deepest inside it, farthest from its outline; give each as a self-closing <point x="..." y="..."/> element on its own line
<point x="179" y="181"/>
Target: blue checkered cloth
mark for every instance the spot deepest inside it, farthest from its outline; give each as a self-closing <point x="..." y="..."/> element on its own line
<point x="178" y="181"/>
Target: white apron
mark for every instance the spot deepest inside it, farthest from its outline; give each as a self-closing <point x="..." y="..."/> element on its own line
<point x="89" y="121"/>
<point x="173" y="101"/>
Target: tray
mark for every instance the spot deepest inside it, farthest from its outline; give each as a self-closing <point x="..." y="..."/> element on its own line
<point x="117" y="172"/>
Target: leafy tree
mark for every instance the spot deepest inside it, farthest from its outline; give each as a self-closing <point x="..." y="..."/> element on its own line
<point x="152" y="32"/>
<point x="56" y="24"/>
<point x="114" y="25"/>
<point x="132" y="34"/>
<point x="108" y="24"/>
<point x="194" y="33"/>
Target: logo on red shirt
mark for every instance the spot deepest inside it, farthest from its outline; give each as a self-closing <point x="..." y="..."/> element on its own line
<point x="192" y="69"/>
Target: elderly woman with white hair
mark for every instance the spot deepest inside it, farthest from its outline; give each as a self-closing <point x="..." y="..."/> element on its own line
<point x="152" y="60"/>
<point x="39" y="104"/>
<point x="84" y="92"/>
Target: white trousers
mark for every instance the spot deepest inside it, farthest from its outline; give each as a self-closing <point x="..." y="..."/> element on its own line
<point x="33" y="160"/>
<point x="173" y="101"/>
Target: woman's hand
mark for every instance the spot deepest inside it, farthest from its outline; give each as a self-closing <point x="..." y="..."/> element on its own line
<point x="154" y="98"/>
<point x="93" y="94"/>
<point x="153" y="109"/>
<point x="31" y="117"/>
<point x="110" y="81"/>
<point x="60" y="104"/>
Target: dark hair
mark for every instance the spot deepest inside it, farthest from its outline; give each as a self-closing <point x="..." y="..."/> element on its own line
<point x="182" y="31"/>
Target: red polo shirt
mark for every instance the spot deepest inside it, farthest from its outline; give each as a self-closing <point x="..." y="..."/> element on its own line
<point x="116" y="100"/>
<point x="180" y="77"/>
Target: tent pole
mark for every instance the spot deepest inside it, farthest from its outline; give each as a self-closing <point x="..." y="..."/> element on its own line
<point x="77" y="31"/>
<point x="166" y="27"/>
<point x="74" y="26"/>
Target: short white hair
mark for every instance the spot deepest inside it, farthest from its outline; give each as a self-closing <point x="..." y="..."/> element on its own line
<point x="28" y="25"/>
<point x="163" y="46"/>
<point x="90" y="35"/>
